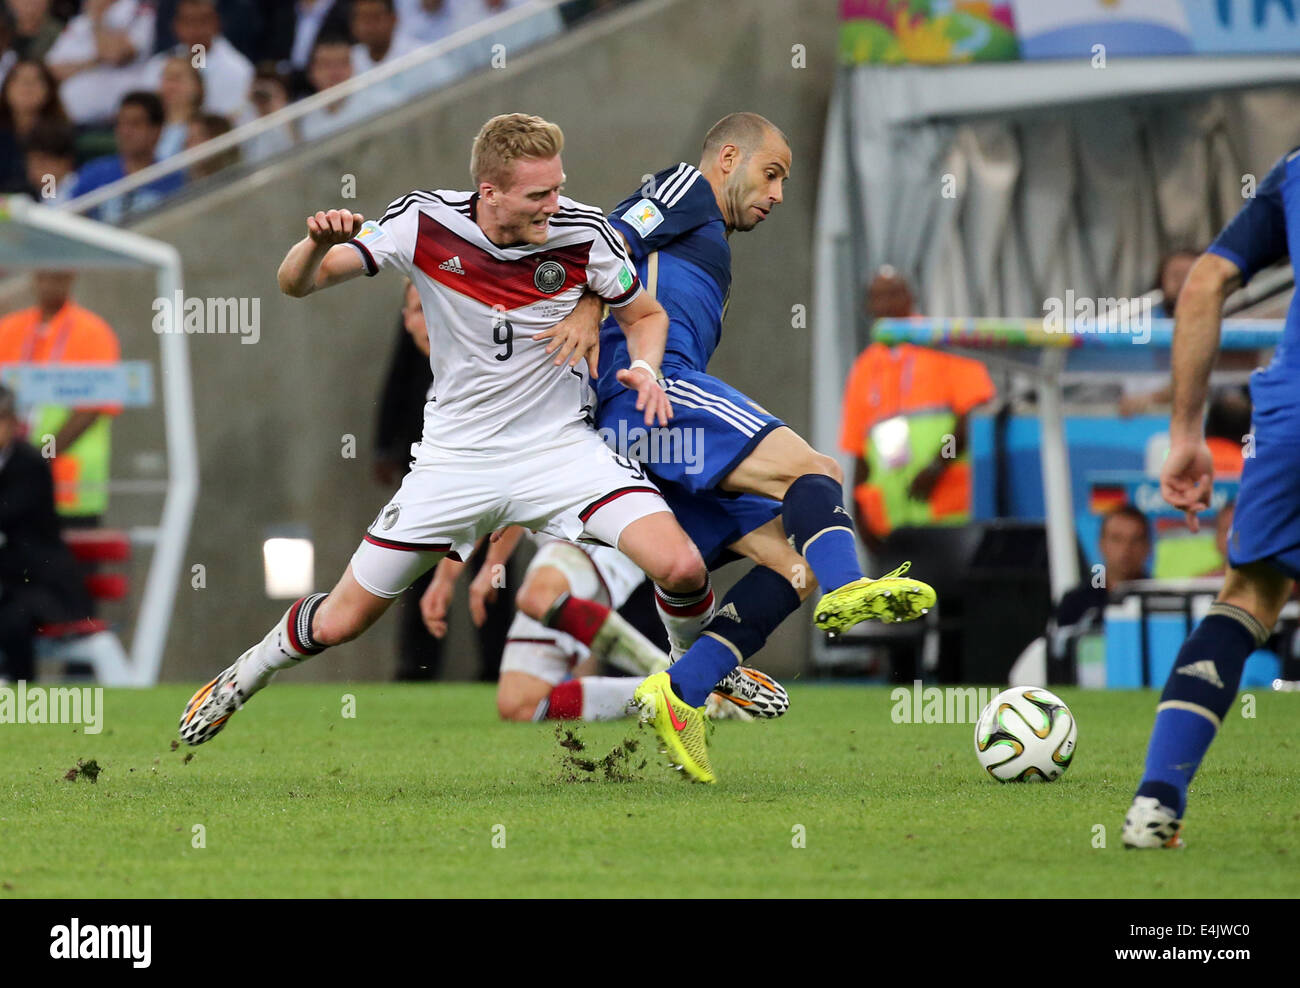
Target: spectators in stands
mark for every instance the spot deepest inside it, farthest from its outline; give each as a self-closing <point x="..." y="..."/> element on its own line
<point x="51" y="162"/>
<point x="374" y="26"/>
<point x="203" y="128"/>
<point x="40" y="582"/>
<point x="905" y="424"/>
<point x="293" y="34"/>
<point x="35" y="28"/>
<point x="244" y="23"/>
<point x="428" y="21"/>
<point x="139" y="125"/>
<point x="227" y="73"/>
<point x="188" y="52"/>
<point x="57" y="330"/>
<point x="99" y="57"/>
<point x="181" y="91"/>
<point x="1125" y="546"/>
<point x="270" y="92"/>
<point x="331" y="64"/>
<point x="29" y="96"/>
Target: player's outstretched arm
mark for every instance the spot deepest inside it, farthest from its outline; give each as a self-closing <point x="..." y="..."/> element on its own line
<point x="645" y="324"/>
<point x="319" y="260"/>
<point x="1188" y="473"/>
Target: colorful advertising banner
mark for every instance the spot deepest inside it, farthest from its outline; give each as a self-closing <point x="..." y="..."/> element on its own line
<point x="957" y="31"/>
<point x="934" y="32"/>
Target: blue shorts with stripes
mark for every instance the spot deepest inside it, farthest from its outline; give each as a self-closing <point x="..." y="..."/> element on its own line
<point x="713" y="428"/>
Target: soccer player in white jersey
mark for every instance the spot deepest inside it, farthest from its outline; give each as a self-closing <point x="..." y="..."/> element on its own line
<point x="507" y="440"/>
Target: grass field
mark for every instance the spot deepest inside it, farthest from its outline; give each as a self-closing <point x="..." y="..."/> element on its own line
<point x="404" y="799"/>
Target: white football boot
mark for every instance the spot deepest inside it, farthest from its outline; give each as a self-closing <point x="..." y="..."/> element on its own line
<point x="747" y="694"/>
<point x="214" y="704"/>
<point x="1151" y="824"/>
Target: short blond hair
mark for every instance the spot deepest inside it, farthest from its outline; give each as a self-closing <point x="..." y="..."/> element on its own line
<point x="508" y="137"/>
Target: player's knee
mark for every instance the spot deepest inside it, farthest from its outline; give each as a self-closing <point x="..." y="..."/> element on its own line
<point x="335" y="625"/>
<point x="832" y="468"/>
<point x="540" y="590"/>
<point x="682" y="570"/>
<point x="517" y="708"/>
<point x="812" y="463"/>
<point x="827" y="466"/>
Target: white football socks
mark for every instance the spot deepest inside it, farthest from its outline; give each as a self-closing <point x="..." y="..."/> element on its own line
<point x="684" y="616"/>
<point x="285" y="645"/>
<point x="607" y="697"/>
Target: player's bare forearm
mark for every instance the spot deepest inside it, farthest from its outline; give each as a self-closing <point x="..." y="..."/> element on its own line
<point x="320" y="260"/>
<point x="297" y="274"/>
<point x="645" y="324"/>
<point x="1196" y="342"/>
<point x="448" y="571"/>
<point x="500" y="550"/>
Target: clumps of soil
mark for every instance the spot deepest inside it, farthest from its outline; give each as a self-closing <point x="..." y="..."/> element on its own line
<point x="614" y="767"/>
<point x="83" y="770"/>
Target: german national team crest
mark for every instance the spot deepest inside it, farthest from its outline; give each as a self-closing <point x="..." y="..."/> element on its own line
<point x="549" y="277"/>
<point x="389" y="518"/>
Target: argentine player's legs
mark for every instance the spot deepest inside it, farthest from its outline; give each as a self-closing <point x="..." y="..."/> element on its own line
<point x="546" y="673"/>
<point x="1264" y="561"/>
<point x="727" y="442"/>
<point x="436" y="512"/>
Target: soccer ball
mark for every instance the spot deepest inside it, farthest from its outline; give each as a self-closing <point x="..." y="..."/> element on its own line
<point x="1025" y="734"/>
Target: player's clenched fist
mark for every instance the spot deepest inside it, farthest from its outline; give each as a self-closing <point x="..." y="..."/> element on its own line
<point x="335" y="226"/>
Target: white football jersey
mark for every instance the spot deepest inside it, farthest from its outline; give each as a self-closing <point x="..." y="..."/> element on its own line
<point x="497" y="389"/>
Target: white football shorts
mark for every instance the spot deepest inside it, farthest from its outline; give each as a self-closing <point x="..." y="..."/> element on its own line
<point x="576" y="489"/>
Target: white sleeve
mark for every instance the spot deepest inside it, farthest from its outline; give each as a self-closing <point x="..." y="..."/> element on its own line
<point x="390" y="240"/>
<point x="610" y="272"/>
<point x="140" y="29"/>
<point x="74" y="44"/>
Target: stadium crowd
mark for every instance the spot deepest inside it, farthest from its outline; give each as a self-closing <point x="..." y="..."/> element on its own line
<point x="94" y="90"/>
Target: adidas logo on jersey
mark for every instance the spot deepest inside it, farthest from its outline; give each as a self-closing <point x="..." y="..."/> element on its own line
<point x="452" y="265"/>
<point x="1205" y="669"/>
<point x="729" y="612"/>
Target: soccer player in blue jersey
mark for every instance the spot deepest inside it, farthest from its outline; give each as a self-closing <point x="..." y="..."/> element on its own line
<point x="1264" y="542"/>
<point x="738" y="479"/>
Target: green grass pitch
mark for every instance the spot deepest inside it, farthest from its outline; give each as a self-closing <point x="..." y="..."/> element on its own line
<point x="409" y="797"/>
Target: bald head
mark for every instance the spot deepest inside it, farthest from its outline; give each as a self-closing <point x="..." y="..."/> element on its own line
<point x="747" y="131"/>
<point x="746" y="160"/>
<point x="889" y="296"/>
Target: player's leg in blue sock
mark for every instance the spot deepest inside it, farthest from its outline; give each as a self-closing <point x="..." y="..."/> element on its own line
<point x="749" y="613"/>
<point x="815" y="517"/>
<point x="1198" y="695"/>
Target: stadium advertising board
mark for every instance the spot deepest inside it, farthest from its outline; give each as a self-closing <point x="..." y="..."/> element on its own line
<point x="958" y="31"/>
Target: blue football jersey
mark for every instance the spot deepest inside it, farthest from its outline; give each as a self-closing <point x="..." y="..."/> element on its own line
<point x="677" y="239"/>
<point x="1266" y="230"/>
